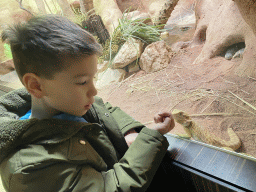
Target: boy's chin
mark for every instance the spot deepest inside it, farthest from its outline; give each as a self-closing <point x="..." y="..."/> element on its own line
<point x="85" y="112"/>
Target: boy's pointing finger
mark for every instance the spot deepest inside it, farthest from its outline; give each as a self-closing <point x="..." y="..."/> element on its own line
<point x="165" y="114"/>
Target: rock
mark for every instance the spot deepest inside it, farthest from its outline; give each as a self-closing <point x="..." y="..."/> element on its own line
<point x="230" y="53"/>
<point x="134" y="15"/>
<point x="11" y="77"/>
<point x="155" y="57"/>
<point x="133" y="67"/>
<point x="239" y="53"/>
<point x="176" y="47"/>
<point x="154" y="7"/>
<point x="181" y="24"/>
<point x="111" y="10"/>
<point x="129" y="52"/>
<point x="183" y="13"/>
<point x="103" y="67"/>
<point x="6" y="67"/>
<point x="220" y="25"/>
<point x="164" y="35"/>
<point x="110" y="76"/>
<point x="233" y="49"/>
<point x="247" y="9"/>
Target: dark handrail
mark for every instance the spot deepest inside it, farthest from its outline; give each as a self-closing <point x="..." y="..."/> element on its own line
<point x="209" y="165"/>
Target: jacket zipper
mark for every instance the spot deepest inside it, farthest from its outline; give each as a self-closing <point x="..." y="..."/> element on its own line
<point x="94" y="114"/>
<point x="104" y="129"/>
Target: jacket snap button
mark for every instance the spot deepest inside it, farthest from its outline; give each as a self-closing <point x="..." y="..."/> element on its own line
<point x="82" y="142"/>
<point x="106" y="114"/>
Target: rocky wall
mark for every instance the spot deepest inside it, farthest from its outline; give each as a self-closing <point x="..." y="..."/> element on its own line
<point x="220" y="28"/>
<point x="112" y="10"/>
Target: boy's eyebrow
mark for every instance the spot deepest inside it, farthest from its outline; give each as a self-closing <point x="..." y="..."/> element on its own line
<point x="80" y="75"/>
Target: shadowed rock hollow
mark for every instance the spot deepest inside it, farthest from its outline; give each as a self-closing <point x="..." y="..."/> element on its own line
<point x="221" y="26"/>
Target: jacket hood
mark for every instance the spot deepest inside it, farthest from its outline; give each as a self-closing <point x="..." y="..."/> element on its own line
<point x="15" y="133"/>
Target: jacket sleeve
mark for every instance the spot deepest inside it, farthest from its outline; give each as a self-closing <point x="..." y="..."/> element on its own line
<point x="125" y="122"/>
<point x="133" y="172"/>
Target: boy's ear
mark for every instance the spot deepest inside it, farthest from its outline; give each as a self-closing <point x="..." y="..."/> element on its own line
<point x="33" y="84"/>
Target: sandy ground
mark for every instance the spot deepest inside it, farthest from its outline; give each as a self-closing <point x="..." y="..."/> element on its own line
<point x="197" y="89"/>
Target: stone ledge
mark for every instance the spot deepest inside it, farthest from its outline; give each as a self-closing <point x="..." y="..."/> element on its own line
<point x="7" y="86"/>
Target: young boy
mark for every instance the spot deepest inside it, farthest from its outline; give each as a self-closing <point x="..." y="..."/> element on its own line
<point x="56" y="134"/>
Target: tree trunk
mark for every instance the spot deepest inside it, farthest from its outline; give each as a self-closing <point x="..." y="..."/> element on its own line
<point x="40" y="6"/>
<point x="86" y="5"/>
<point x="164" y="14"/>
<point x="95" y="26"/>
<point x="66" y="9"/>
<point x="109" y="12"/>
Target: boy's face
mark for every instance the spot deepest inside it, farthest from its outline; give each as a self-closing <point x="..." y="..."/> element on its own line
<point x="72" y="91"/>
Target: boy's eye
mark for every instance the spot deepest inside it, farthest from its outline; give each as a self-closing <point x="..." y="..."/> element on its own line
<point x="82" y="83"/>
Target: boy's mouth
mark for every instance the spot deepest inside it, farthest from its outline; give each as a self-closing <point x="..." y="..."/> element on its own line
<point x="88" y="106"/>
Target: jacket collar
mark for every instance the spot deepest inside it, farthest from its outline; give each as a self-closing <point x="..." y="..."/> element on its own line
<point x="15" y="132"/>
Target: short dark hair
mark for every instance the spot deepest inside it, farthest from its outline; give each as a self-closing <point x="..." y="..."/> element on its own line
<point x="40" y="45"/>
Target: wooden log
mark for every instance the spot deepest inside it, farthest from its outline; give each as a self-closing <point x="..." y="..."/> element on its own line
<point x="95" y="26"/>
<point x="164" y="14"/>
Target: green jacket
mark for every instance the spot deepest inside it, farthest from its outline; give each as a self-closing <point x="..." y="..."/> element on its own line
<point x="59" y="155"/>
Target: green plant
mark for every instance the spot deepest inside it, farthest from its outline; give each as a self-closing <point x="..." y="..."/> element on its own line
<point x="126" y="29"/>
<point x="79" y="17"/>
<point x="139" y="30"/>
<point x="112" y="46"/>
<point x="7" y="51"/>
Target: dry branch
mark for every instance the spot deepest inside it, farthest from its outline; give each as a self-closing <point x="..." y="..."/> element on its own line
<point x="20" y="3"/>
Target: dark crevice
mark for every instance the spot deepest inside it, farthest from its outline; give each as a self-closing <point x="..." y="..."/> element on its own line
<point x="231" y="51"/>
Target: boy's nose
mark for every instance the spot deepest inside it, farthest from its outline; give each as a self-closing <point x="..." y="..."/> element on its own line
<point x="93" y="91"/>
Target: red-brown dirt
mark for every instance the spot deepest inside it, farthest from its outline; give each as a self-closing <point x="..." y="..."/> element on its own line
<point x="204" y="88"/>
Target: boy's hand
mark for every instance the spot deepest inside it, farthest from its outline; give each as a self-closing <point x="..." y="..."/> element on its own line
<point x="130" y="137"/>
<point x="164" y="122"/>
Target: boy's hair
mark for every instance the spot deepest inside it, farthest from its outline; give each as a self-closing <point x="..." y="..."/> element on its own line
<point x="42" y="44"/>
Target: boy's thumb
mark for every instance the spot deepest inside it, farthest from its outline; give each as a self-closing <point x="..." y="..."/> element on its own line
<point x="168" y="121"/>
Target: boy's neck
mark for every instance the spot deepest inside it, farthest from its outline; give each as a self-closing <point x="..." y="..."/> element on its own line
<point x="40" y="110"/>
